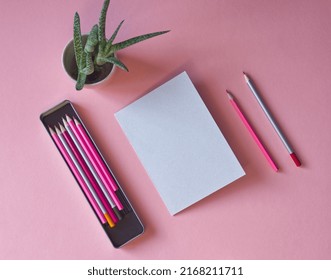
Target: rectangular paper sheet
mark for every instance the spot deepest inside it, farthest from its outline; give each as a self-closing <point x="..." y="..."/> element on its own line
<point x="179" y="144"/>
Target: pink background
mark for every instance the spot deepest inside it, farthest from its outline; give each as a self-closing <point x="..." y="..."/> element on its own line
<point x="283" y="45"/>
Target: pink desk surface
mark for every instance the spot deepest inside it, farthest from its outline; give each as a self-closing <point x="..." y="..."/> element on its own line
<point x="284" y="45"/>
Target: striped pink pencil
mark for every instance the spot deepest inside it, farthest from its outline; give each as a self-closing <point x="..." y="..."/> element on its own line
<point x="94" y="157"/>
<point x="77" y="176"/>
<point x="251" y="131"/>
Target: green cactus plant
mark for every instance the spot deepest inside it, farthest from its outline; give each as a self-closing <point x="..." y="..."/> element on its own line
<point x="97" y="50"/>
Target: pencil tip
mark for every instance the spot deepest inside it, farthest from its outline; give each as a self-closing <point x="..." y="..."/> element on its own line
<point x="61" y="127"/>
<point x="229" y="94"/>
<point x="68" y="118"/>
<point x="51" y="130"/>
<point x="245" y="76"/>
<point x="57" y="130"/>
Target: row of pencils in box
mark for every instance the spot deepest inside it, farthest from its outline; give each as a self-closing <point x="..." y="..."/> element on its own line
<point x="89" y="169"/>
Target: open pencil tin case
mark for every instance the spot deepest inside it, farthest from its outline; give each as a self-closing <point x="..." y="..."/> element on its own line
<point x="126" y="224"/>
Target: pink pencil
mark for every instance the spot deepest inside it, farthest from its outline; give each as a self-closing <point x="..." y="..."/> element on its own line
<point x="251" y="131"/>
<point x="93" y="156"/>
<point x="88" y="173"/>
<point x="77" y="176"/>
<point x="96" y="155"/>
<point x="83" y="176"/>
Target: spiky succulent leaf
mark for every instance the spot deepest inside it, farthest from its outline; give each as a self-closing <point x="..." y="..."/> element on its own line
<point x="102" y="22"/>
<point x="81" y="78"/>
<point x="124" y="44"/>
<point x="89" y="68"/>
<point x="78" y="45"/>
<point x="80" y="81"/>
<point x="92" y="40"/>
<point x="111" y="40"/>
<point x="114" y="61"/>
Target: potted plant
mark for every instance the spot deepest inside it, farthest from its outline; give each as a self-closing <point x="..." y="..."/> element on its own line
<point x="91" y="58"/>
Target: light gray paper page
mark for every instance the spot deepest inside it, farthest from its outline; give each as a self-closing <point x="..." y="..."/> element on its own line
<point x="179" y="144"/>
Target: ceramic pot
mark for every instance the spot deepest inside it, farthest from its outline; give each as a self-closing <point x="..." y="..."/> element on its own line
<point x="69" y="65"/>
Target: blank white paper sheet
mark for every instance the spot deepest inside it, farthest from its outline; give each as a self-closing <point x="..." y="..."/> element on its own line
<point x="179" y="144"/>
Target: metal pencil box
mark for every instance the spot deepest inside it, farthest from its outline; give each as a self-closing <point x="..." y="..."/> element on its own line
<point x="128" y="225"/>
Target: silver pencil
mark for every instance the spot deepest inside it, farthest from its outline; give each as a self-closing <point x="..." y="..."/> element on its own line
<point x="272" y="121"/>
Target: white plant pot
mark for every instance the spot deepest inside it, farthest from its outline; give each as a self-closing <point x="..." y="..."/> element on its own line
<point x="69" y="65"/>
